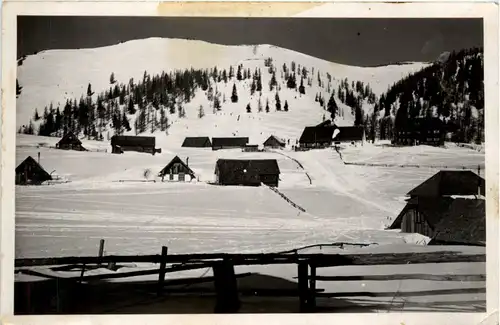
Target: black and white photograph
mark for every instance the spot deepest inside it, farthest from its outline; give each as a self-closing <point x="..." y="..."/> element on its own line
<point x="252" y="165"/>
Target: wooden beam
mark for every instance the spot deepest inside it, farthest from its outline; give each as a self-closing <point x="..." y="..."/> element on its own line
<point x="428" y="277"/>
<point x="303" y="286"/>
<point x="163" y="265"/>
<point x="226" y="288"/>
<point x="321" y="260"/>
<point x="403" y="293"/>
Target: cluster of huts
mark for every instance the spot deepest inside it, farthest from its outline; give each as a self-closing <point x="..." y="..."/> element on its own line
<point x="247" y="172"/>
<point x="449" y="208"/>
<point x="218" y="143"/>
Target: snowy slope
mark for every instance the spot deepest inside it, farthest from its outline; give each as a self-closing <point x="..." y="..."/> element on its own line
<point x="57" y="75"/>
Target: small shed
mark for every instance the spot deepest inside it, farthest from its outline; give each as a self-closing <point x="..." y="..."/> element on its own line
<point x="229" y="143"/>
<point x="70" y="142"/>
<point x="274" y="142"/>
<point x="251" y="148"/>
<point x="247" y="172"/>
<point x="177" y="170"/>
<point x="197" y="142"/>
<point x="350" y="134"/>
<point x="30" y="172"/>
<point x="122" y="143"/>
<point x="316" y="137"/>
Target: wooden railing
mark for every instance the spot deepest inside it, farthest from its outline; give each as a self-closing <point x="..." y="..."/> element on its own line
<point x="225" y="279"/>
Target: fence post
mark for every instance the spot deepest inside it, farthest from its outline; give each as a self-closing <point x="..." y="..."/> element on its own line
<point x="226" y="288"/>
<point x="303" y="285"/>
<point x="101" y="250"/>
<point x="163" y="265"/>
<point x="312" y="288"/>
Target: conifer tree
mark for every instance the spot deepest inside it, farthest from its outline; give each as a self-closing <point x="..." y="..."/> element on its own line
<point x="234" y="95"/>
<point x="112" y="79"/>
<point x="332" y="107"/>
<point x="278" y="102"/>
<point x="286" y="106"/>
<point x="259" y="105"/>
<point x="239" y="75"/>
<point x="249" y="109"/>
<point x="201" y="112"/>
<point x="267" y="105"/>
<point x="302" y="89"/>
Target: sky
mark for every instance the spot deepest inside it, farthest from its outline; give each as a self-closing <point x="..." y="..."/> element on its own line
<point x="361" y="42"/>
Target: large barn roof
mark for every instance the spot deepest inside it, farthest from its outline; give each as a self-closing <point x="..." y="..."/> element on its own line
<point x="197" y="142"/>
<point x="450" y="182"/>
<point x="230" y="142"/>
<point x="257" y="166"/>
<point x="463" y="223"/>
<point x="131" y="140"/>
<point x="316" y="134"/>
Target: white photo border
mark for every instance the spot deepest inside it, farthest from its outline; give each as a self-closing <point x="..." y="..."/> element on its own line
<point x="343" y="9"/>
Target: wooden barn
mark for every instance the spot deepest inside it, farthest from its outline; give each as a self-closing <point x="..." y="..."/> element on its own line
<point x="70" y="142"/>
<point x="316" y="137"/>
<point x="177" y="170"/>
<point x="247" y="172"/>
<point x="229" y="143"/>
<point x="426" y="131"/>
<point x="432" y="201"/>
<point x="274" y="142"/>
<point x="350" y="134"/>
<point x="30" y="172"/>
<point x="122" y="143"/>
<point x="197" y="142"/>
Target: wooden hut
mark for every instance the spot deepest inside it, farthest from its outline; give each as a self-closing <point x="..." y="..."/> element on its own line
<point x="122" y="143"/>
<point x="229" y="143"/>
<point x="177" y="170"/>
<point x="247" y="172"/>
<point x="274" y="142"/>
<point x="30" y="172"/>
<point x="70" y="142"/>
<point x="316" y="137"/>
<point x="432" y="200"/>
<point x="197" y="142"/>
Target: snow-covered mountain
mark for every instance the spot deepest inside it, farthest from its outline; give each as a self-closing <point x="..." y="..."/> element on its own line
<point x="52" y="77"/>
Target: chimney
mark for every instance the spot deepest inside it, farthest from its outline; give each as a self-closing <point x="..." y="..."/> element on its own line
<point x="187" y="161"/>
<point x="479" y="181"/>
<point x="39" y="157"/>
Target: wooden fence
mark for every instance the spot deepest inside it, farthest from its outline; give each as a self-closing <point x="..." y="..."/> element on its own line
<point x="225" y="279"/>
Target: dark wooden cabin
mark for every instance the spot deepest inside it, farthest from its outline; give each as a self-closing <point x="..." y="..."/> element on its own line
<point x="274" y="142"/>
<point x="177" y="170"/>
<point x="432" y="201"/>
<point x="197" y="142"/>
<point x="350" y="134"/>
<point x="30" y="172"/>
<point x="251" y="148"/>
<point x="122" y="143"/>
<point x="425" y="131"/>
<point x="70" y="142"/>
<point x="316" y="137"/>
<point x="247" y="172"/>
<point x="229" y="143"/>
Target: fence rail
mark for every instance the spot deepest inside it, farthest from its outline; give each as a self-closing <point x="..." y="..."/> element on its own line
<point x="225" y="282"/>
